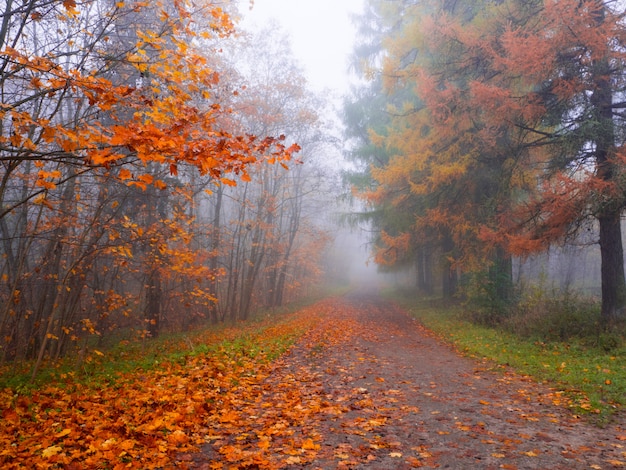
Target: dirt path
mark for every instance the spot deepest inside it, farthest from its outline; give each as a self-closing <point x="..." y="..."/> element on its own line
<point x="370" y="389"/>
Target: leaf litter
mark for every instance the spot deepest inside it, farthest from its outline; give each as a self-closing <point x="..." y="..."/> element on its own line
<point x="365" y="387"/>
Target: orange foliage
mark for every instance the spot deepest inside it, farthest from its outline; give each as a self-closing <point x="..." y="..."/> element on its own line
<point x="159" y="121"/>
<point x="394" y="248"/>
<point x="148" y="419"/>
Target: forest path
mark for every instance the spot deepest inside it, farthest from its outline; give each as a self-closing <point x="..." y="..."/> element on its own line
<point x="372" y="389"/>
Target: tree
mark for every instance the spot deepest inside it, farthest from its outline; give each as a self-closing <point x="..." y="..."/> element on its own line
<point x="510" y="94"/>
<point x="578" y="83"/>
<point x="92" y="122"/>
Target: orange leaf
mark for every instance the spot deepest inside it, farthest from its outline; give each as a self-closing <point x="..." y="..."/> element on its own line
<point x="308" y="444"/>
<point x="178" y="437"/>
<point x="145" y="178"/>
<point x="125" y="174"/>
<point x="69" y="5"/>
<point x="64" y="433"/>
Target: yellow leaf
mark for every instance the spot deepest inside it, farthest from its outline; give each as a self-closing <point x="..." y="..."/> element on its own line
<point x="616" y="463"/>
<point x="395" y="455"/>
<point x="51" y="451"/>
<point x="64" y="433"/>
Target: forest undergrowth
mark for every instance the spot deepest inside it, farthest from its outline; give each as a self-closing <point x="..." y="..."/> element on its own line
<point x="139" y="407"/>
<point x="224" y="395"/>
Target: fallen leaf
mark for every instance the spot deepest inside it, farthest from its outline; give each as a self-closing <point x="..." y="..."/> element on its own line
<point x="616" y="463"/>
<point x="51" y="451"/>
<point x="308" y="444"/>
<point x="64" y="433"/>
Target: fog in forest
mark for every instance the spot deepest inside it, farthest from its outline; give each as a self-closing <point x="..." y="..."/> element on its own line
<point x="166" y="169"/>
<point x="228" y="228"/>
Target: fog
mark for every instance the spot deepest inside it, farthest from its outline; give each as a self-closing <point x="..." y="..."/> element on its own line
<point x="191" y="181"/>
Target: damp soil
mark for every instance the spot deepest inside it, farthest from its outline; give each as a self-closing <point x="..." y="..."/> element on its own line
<point x="371" y="388"/>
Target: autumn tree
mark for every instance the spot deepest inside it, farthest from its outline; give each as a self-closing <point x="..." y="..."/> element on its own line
<point x="507" y="95"/>
<point x="91" y="124"/>
<point x="446" y="156"/>
<point x="263" y="225"/>
<point x="576" y="80"/>
<point x="367" y="117"/>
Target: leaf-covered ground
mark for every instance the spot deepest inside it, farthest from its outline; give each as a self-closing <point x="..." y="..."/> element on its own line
<point x="365" y="387"/>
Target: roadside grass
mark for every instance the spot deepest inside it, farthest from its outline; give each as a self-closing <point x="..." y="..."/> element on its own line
<point x="264" y="337"/>
<point x="591" y="373"/>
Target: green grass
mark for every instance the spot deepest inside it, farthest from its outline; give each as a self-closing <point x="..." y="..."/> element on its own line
<point x="594" y="378"/>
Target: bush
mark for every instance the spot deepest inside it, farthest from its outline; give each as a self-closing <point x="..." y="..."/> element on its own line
<point x="489" y="297"/>
<point x="557" y="318"/>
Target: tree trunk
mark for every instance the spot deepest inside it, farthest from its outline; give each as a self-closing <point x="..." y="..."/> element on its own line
<point x="153" y="302"/>
<point x="611" y="249"/>
<point x="424" y="268"/>
<point x="501" y="275"/>
<point x="612" y="268"/>
<point x="450" y="277"/>
<point x="215" y="246"/>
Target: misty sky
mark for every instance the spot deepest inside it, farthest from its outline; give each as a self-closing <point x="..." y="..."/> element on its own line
<point x="322" y="34"/>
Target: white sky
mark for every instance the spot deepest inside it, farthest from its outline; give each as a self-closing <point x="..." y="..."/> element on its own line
<point x="322" y="35"/>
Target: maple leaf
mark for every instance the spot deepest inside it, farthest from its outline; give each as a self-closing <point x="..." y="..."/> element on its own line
<point x="51" y="451"/>
<point x="308" y="444"/>
<point x="125" y="174"/>
<point x="63" y="433"/>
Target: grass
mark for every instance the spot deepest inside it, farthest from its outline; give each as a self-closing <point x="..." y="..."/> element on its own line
<point x="592" y="374"/>
<point x="263" y="337"/>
